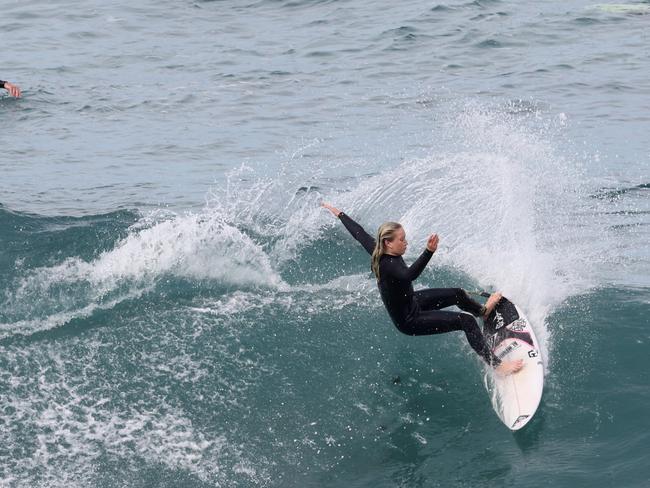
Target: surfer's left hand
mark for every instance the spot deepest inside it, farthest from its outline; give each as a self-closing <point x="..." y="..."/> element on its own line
<point x="432" y="243"/>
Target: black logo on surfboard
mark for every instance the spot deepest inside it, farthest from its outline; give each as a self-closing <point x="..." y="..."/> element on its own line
<point x="498" y="319"/>
<point x="519" y="419"/>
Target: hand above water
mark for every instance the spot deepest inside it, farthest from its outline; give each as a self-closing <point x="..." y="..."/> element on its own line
<point x="13" y="90"/>
<point x="432" y="243"/>
<point x="332" y="209"/>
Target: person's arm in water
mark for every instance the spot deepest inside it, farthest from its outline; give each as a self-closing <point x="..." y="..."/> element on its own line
<point x="393" y="269"/>
<point x="13" y="90"/>
<point x="353" y="228"/>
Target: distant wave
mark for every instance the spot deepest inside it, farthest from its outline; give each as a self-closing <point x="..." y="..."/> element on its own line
<point x="616" y="193"/>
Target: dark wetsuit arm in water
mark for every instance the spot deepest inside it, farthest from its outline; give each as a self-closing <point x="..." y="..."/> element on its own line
<point x="358" y="233"/>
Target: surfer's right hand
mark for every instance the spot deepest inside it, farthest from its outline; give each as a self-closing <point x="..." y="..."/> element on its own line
<point x="332" y="209"/>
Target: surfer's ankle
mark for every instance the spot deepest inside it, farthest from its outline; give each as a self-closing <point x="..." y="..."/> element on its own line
<point x="492" y="302"/>
<point x="509" y="367"/>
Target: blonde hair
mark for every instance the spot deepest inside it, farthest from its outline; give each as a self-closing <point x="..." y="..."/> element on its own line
<point x="386" y="232"/>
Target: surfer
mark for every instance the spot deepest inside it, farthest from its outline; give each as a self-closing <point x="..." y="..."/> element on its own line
<point x="418" y="312"/>
<point x="13" y="90"/>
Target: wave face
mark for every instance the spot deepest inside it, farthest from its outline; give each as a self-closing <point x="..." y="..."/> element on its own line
<point x="244" y="343"/>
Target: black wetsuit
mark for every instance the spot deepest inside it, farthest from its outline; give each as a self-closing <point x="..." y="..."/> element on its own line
<point x="418" y="312"/>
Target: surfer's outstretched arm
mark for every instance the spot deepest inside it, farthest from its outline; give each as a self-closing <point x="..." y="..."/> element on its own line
<point x="353" y="228"/>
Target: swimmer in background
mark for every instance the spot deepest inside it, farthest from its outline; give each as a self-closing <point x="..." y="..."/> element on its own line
<point x="14" y="90"/>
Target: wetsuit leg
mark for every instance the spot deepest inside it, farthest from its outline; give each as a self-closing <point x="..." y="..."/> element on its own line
<point x="439" y="322"/>
<point x="437" y="298"/>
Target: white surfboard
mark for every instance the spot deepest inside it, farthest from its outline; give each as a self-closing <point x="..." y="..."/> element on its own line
<point x="515" y="397"/>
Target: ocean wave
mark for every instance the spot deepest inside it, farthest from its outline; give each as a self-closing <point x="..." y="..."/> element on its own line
<point x="502" y="199"/>
<point x="193" y="246"/>
<point x="613" y="194"/>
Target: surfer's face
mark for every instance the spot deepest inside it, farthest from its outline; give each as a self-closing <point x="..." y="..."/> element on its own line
<point x="398" y="245"/>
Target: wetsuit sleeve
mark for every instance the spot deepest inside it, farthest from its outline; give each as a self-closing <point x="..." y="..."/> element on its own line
<point x="358" y="233"/>
<point x="392" y="268"/>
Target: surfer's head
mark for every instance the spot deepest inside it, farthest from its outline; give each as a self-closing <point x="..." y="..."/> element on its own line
<point x="391" y="239"/>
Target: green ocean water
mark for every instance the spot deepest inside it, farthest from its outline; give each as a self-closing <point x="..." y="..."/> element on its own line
<point x="125" y="364"/>
<point x="176" y="310"/>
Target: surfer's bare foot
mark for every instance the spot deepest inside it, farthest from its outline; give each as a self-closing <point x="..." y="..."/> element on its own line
<point x="491" y="303"/>
<point x="509" y="367"/>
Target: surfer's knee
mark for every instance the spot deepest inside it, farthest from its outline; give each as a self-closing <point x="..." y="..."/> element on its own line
<point x="463" y="299"/>
<point x="460" y="294"/>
